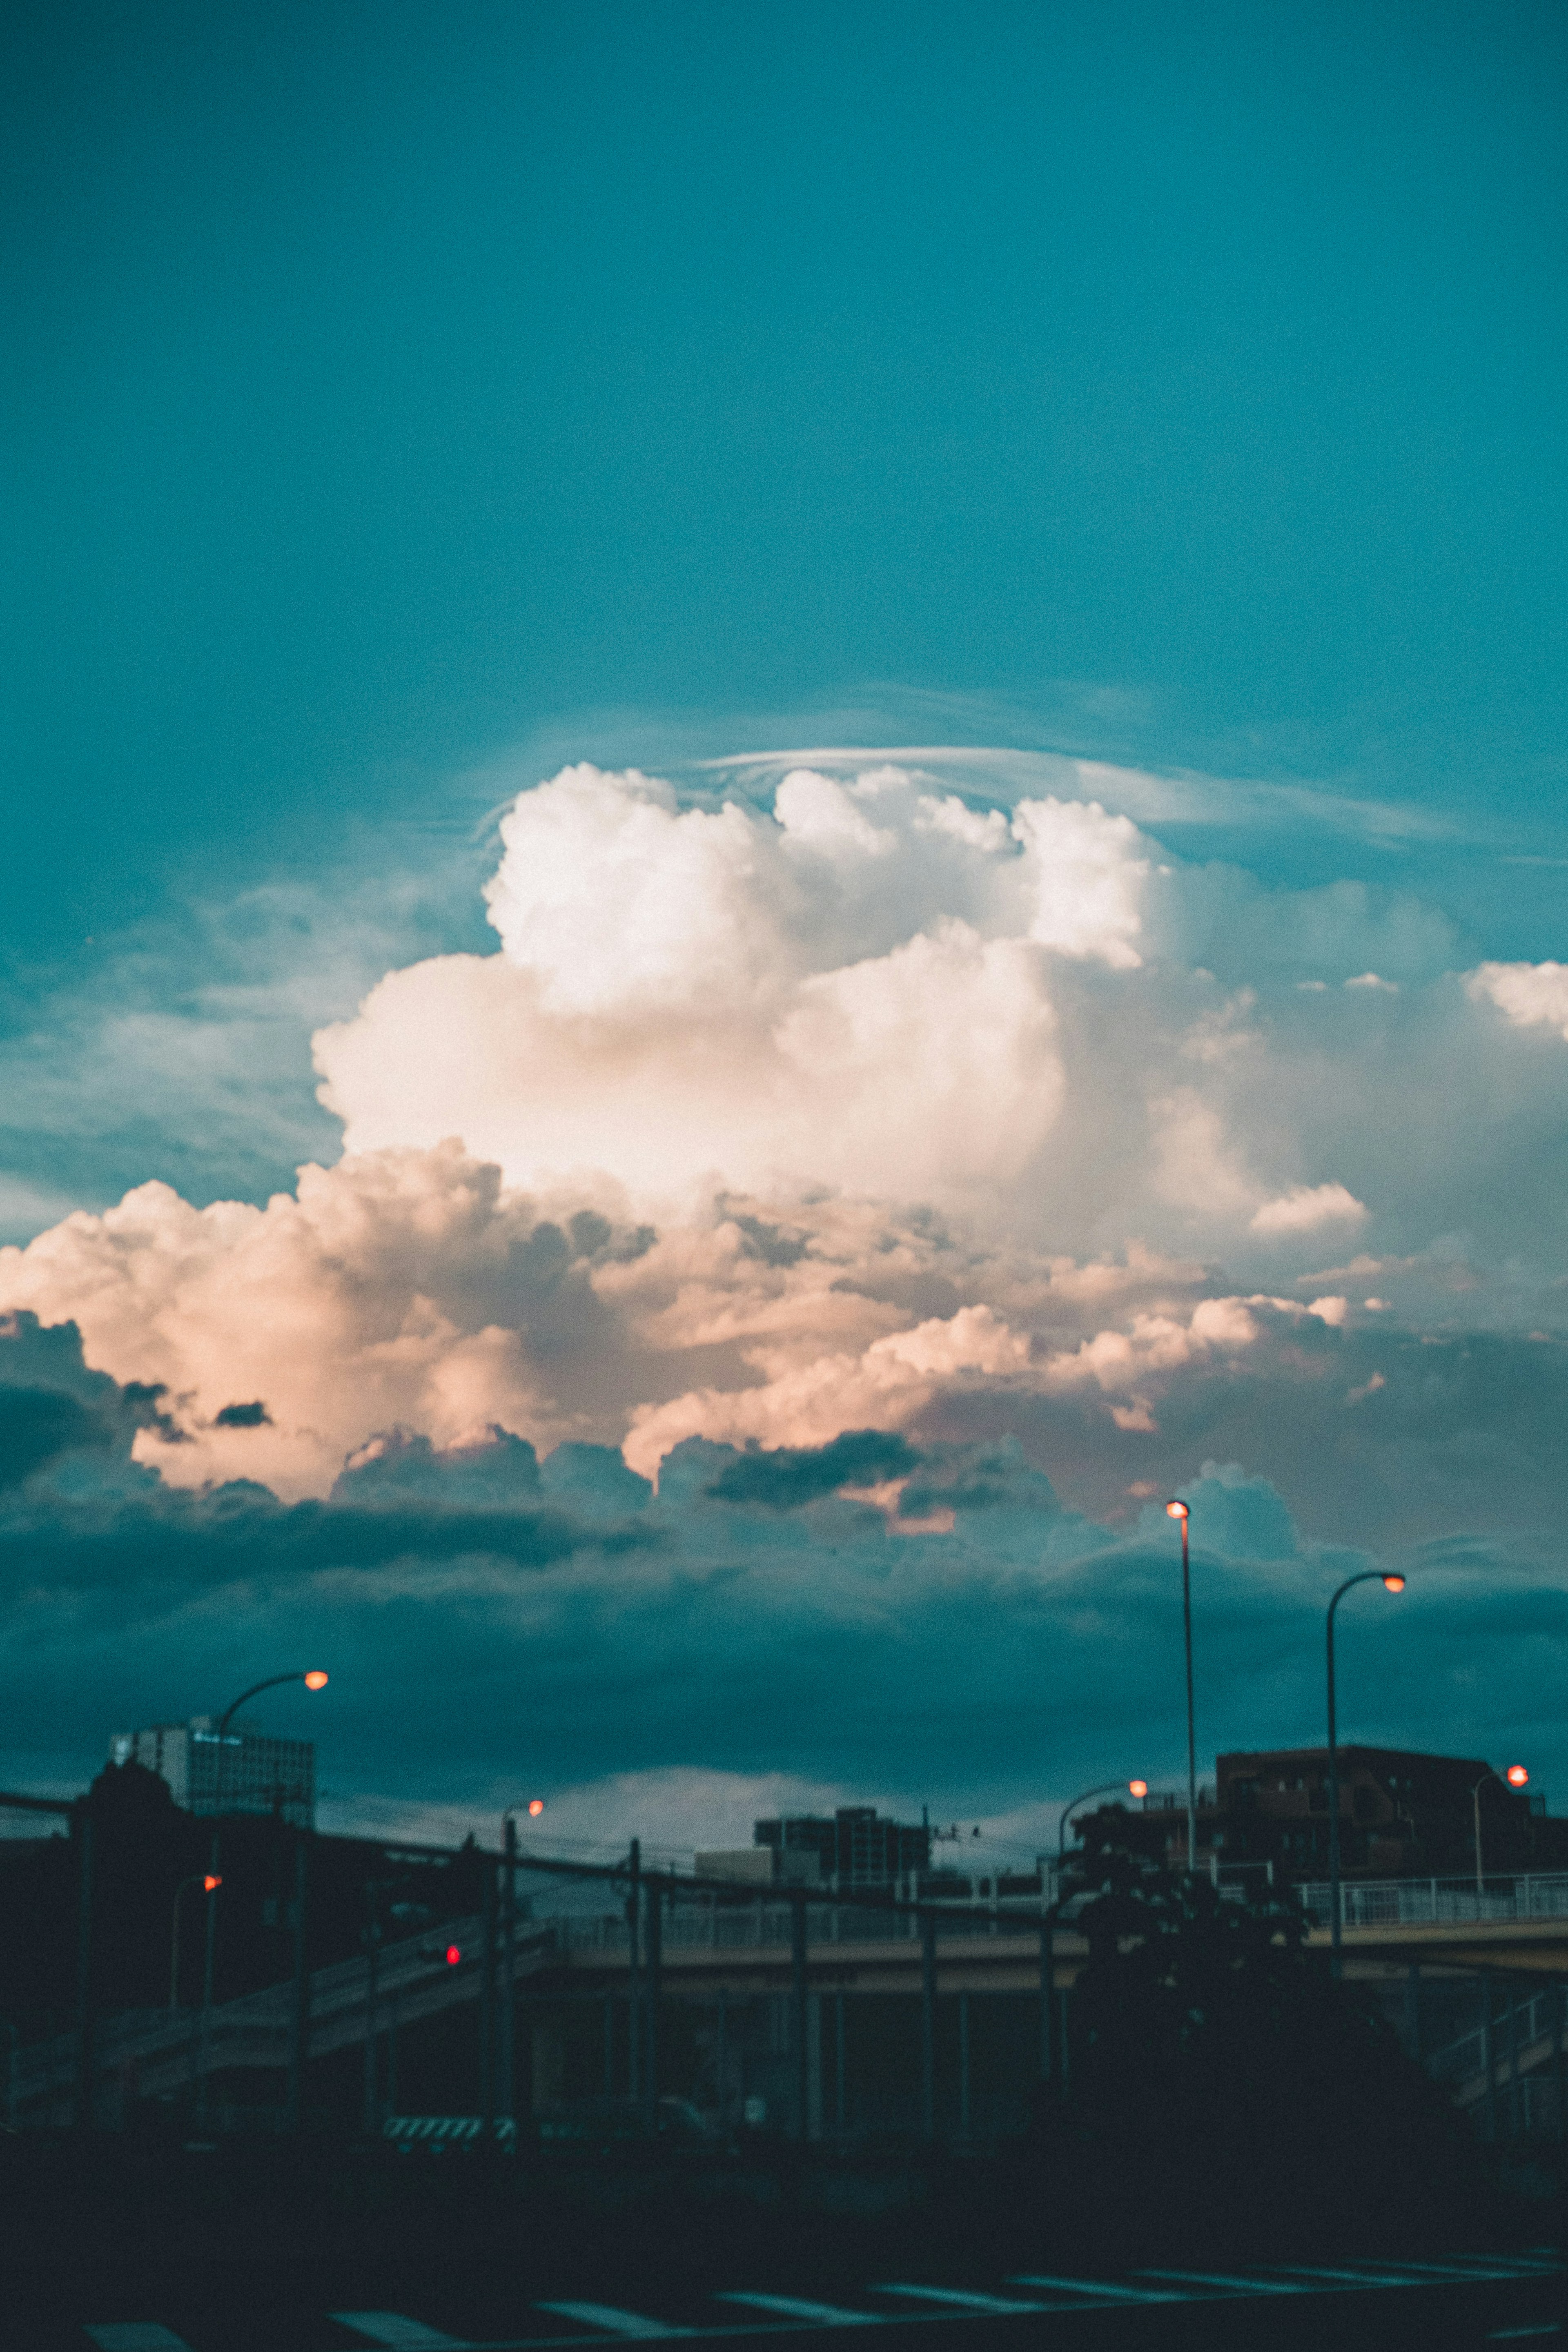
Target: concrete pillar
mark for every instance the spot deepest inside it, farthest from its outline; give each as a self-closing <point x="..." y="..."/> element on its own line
<point x="928" y="2024"/>
<point x="813" y="2066"/>
<point x="548" y="2043"/>
<point x="964" y="2112"/>
<point x="840" y="2104"/>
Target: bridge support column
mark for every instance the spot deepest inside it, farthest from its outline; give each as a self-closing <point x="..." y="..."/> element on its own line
<point x="964" y="2066"/>
<point x="488" y="2005"/>
<point x="81" y="1837"/>
<point x="650" y="2037"/>
<point x="1412" y="2012"/>
<point x="813" y="2066"/>
<point x="799" y="2019"/>
<point x="1488" y="2057"/>
<point x="1047" y="2011"/>
<point x="299" y="2016"/>
<point x="928" y="2024"/>
<point x="509" y="1978"/>
<point x="1559" y="2034"/>
<point x="840" y="2106"/>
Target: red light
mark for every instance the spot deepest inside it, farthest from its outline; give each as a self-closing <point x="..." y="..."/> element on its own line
<point x="1516" y="1775"/>
<point x="210" y="1885"/>
<point x="536" y="1806"/>
<point x="454" y="1954"/>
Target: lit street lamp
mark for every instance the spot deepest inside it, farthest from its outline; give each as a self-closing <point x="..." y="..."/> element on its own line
<point x="314" y="1679"/>
<point x="1516" y="1777"/>
<point x="1390" y="1584"/>
<point x="1133" y="1788"/>
<point x="1176" y="1510"/>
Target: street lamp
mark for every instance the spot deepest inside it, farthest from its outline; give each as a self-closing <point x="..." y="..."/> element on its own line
<point x="1389" y="1584"/>
<point x="1176" y="1510"/>
<point x="1516" y="1777"/>
<point x="314" y="1679"/>
<point x="1133" y="1788"/>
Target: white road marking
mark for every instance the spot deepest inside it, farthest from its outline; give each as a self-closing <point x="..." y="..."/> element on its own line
<point x="1223" y="2278"/>
<point x="958" y="2299"/>
<point x="1504" y="2335"/>
<point x="396" y="2334"/>
<point x="1101" y="2288"/>
<point x="614" y="2322"/>
<point x="135" y="2336"/>
<point x="1367" y="2277"/>
<point x="792" y="2307"/>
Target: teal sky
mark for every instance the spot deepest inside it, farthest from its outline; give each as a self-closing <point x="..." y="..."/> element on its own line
<point x="1146" y="422"/>
<point x="390" y="387"/>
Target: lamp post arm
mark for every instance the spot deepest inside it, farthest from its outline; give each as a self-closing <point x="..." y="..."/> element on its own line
<point x="1103" y="1789"/>
<point x="272" y="1683"/>
<point x="1476" y="1809"/>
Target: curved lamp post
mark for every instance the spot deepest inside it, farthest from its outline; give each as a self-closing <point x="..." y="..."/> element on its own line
<point x="314" y="1679"/>
<point x="1516" y="1777"/>
<point x="1103" y="1788"/>
<point x="1176" y="1510"/>
<point x="1390" y="1584"/>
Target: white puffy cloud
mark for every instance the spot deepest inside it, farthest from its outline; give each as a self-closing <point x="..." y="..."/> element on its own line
<point x="874" y="1107"/>
<point x="1530" y="995"/>
<point x="1305" y="1208"/>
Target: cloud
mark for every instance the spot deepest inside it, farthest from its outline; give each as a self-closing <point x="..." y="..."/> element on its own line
<point x="500" y="1625"/>
<point x="1307" y="1207"/>
<point x="797" y="1249"/>
<point x="1530" y="995"/>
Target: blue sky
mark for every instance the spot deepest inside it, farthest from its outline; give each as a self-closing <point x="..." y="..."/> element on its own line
<point x="1155" y="414"/>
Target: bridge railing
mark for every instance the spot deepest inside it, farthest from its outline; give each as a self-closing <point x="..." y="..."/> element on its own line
<point x="1516" y="2028"/>
<point x="732" y="1925"/>
<point x="1439" y="1902"/>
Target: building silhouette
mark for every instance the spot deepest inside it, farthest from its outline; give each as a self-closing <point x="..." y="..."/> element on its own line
<point x="245" y="1772"/>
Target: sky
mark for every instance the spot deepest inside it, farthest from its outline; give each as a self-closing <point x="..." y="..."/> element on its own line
<point x="784" y="814"/>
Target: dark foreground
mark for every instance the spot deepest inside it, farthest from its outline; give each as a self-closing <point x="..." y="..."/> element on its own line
<point x="144" y="2247"/>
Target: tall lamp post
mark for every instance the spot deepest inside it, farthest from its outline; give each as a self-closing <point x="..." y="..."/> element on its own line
<point x="1516" y="1777"/>
<point x="1389" y="1584"/>
<point x="534" y="1807"/>
<point x="1176" y="1510"/>
<point x="314" y="1679"/>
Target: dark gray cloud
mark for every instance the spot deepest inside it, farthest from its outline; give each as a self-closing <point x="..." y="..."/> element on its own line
<point x="254" y="1415"/>
<point x="488" y="1617"/>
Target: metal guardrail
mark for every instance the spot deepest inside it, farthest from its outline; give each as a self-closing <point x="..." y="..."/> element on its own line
<point x="168" y="2047"/>
<point x="732" y="1925"/>
<point x="1438" y="1902"/>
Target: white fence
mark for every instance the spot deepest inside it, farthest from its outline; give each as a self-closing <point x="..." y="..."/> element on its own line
<point x="1438" y="1902"/>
